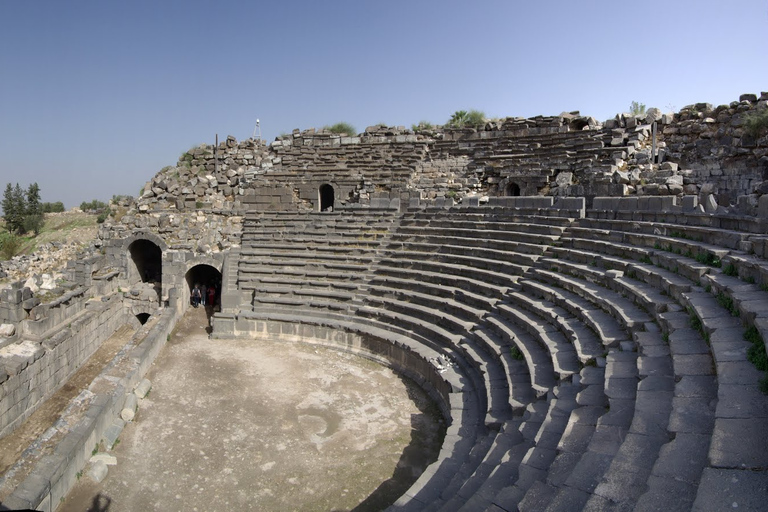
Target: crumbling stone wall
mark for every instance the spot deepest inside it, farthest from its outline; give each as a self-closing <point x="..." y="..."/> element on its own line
<point x="699" y="150"/>
<point x="39" y="364"/>
<point x="722" y="157"/>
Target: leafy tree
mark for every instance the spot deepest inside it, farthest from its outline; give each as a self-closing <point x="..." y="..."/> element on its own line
<point x="33" y="214"/>
<point x="33" y="200"/>
<point x="14" y="208"/>
<point x="637" y="109"/>
<point x="93" y="206"/>
<point x="10" y="245"/>
<point x="9" y="207"/>
<point x="56" y="207"/>
<point x="465" y="119"/>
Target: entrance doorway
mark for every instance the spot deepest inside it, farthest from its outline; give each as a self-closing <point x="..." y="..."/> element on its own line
<point x="326" y="198"/>
<point x="513" y="189"/>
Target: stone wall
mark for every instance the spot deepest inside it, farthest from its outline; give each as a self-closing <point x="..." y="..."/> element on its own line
<point x="722" y="157"/>
<point x="40" y="363"/>
<point x="699" y="150"/>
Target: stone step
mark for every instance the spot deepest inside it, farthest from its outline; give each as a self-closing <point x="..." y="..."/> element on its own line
<point x="562" y="353"/>
<point x="626" y="312"/>
<point x="537" y="359"/>
<point x="585" y="342"/>
<point x="498" y="273"/>
<point x="514" y="246"/>
<point x="477" y="287"/>
<point x="605" y="326"/>
<point x="468" y="251"/>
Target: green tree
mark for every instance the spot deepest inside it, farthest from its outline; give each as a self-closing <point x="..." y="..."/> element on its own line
<point x="56" y="207"/>
<point x="14" y="208"/>
<point x="637" y="109"/>
<point x="465" y="119"/>
<point x="33" y="211"/>
<point x="9" y="207"/>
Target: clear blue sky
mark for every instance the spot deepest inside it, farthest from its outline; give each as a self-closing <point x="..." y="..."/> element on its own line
<point x="97" y="96"/>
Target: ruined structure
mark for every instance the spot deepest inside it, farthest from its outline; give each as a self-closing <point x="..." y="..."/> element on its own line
<point x="579" y="298"/>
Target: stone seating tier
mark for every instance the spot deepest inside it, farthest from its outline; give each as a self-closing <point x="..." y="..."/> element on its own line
<point x="585" y="353"/>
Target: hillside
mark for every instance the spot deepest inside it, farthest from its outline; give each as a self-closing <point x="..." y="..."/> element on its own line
<point x="62" y="237"/>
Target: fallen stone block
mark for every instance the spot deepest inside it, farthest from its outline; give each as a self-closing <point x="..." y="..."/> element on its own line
<point x="113" y="432"/>
<point x="128" y="411"/>
<point x="109" y="460"/>
<point x="98" y="471"/>
<point x="143" y="388"/>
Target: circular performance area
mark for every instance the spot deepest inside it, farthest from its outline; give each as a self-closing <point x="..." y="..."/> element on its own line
<point x="236" y="425"/>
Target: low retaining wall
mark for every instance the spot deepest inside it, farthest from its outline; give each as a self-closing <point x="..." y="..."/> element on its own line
<point x="34" y="370"/>
<point x="55" y="474"/>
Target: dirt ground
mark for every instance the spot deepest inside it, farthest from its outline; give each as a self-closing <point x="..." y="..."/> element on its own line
<point x="253" y="425"/>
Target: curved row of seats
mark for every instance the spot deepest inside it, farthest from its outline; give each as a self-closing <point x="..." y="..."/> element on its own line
<point x="602" y="363"/>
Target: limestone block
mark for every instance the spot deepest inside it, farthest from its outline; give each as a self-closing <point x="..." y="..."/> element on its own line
<point x="109" y="460"/>
<point x="143" y="388"/>
<point x="98" y="471"/>
<point x="710" y="204"/>
<point x="129" y="408"/>
<point x="762" y="207"/>
<point x="7" y="330"/>
<point x="690" y="202"/>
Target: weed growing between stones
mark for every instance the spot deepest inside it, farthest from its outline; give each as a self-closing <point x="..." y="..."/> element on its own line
<point x="756" y="122"/>
<point x="516" y="353"/>
<point x="695" y="322"/>
<point x="727" y="302"/>
<point x="756" y="355"/>
<point x="708" y="259"/>
<point x="730" y="270"/>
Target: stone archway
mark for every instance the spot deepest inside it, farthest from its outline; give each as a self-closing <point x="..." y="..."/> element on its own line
<point x="145" y="265"/>
<point x="204" y="276"/>
<point x="147" y="261"/>
<point x="512" y="189"/>
<point x="326" y="195"/>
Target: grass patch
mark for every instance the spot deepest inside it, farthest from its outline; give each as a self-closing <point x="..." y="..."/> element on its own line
<point x="756" y="353"/>
<point x="708" y="259"/>
<point x="695" y="322"/>
<point x="727" y="302"/>
<point x="342" y="128"/>
<point x="731" y="270"/>
<point x="756" y="122"/>
<point x="516" y="353"/>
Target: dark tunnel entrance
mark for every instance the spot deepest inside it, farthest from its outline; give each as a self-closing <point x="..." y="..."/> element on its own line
<point x="326" y="198"/>
<point x="513" y="189"/>
<point x="142" y="318"/>
<point x="147" y="258"/>
<point x="148" y="261"/>
<point x="205" y="278"/>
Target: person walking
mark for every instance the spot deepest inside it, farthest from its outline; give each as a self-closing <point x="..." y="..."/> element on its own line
<point x="211" y="296"/>
<point x="196" y="296"/>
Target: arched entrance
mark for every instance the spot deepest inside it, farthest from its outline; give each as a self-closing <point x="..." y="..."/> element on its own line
<point x="147" y="261"/>
<point x="326" y="198"/>
<point x="204" y="277"/>
<point x="146" y="264"/>
<point x="513" y="189"/>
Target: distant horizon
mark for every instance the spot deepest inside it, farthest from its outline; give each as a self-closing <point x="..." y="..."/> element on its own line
<point x="98" y="97"/>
